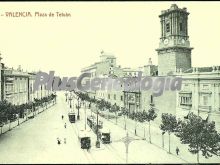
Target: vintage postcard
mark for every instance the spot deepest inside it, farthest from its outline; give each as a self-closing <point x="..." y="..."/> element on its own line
<point x="109" y="82"/>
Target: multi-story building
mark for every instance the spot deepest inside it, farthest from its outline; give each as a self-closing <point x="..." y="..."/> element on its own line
<point x="200" y="93"/>
<point x="40" y="93"/>
<point x="14" y="85"/>
<point x="106" y="67"/>
<point x="17" y="86"/>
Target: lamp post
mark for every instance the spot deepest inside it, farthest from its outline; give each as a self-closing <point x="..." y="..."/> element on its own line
<point x="127" y="140"/>
<point x="66" y="95"/>
<point x="78" y="106"/>
<point x="70" y="99"/>
<point x="97" y="140"/>
<point x="116" y="114"/>
<point x="84" y="105"/>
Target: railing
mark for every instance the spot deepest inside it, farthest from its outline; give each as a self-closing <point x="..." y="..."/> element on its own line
<point x="205" y="107"/>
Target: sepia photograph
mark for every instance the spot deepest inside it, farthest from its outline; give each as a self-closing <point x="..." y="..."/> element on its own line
<point x="110" y="82"/>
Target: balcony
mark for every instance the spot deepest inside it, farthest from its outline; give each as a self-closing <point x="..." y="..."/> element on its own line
<point x="205" y="108"/>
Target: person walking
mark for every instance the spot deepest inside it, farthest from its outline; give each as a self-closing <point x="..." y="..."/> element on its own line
<point x="177" y="151"/>
<point x="64" y="140"/>
<point x="65" y="125"/>
<point x="58" y="141"/>
<point x="62" y="117"/>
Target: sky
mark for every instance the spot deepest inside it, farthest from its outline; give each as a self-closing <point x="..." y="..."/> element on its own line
<point x="129" y="30"/>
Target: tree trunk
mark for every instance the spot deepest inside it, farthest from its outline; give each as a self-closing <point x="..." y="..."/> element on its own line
<point x="9" y="125"/>
<point x="135" y="128"/>
<point x="149" y="133"/>
<point x="198" y="157"/>
<point x="115" y="118"/>
<point x="169" y="141"/>
<point x="163" y="140"/>
<point x="1" y="129"/>
<point x="125" y="122"/>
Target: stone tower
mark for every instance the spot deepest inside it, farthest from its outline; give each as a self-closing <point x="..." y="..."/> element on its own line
<point x="174" y="50"/>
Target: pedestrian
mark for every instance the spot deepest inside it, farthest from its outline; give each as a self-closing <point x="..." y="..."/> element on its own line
<point x="58" y="141"/>
<point x="62" y="117"/>
<point x="64" y="140"/>
<point x="65" y="125"/>
<point x="177" y="151"/>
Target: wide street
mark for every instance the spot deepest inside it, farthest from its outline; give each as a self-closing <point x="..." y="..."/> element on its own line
<point x="35" y="141"/>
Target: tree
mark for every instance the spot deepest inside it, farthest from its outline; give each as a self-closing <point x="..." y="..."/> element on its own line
<point x="169" y="124"/>
<point x="200" y="135"/>
<point x="124" y="113"/>
<point x="108" y="106"/>
<point x="101" y="104"/>
<point x="149" y="116"/>
<point x="115" y="108"/>
<point x="139" y="116"/>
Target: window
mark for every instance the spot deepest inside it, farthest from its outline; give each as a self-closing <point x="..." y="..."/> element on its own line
<point x="205" y="87"/>
<point x="181" y="26"/>
<point x="168" y="27"/>
<point x="205" y="100"/>
<point x="185" y="100"/>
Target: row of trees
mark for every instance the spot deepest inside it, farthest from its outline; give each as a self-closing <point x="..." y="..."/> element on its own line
<point x="101" y="104"/>
<point x="11" y="112"/>
<point x="200" y="135"/>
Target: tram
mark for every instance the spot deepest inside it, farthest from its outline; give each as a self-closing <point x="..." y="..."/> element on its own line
<point x="91" y="121"/>
<point x="104" y="135"/>
<point x="72" y="117"/>
<point x="84" y="139"/>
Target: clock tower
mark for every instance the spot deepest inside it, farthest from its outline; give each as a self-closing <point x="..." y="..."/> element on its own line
<point x="174" y="50"/>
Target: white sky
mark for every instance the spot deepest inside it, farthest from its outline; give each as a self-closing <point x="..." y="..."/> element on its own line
<point x="129" y="30"/>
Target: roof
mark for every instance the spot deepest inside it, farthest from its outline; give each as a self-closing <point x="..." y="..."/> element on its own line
<point x="200" y="69"/>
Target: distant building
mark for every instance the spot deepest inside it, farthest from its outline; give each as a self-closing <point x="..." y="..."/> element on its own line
<point x="106" y="66"/>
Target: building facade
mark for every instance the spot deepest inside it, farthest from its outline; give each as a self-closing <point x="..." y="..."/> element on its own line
<point x="200" y="93"/>
<point x="17" y="86"/>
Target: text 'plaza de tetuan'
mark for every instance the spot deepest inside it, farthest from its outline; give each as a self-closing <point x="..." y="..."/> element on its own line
<point x="200" y="91"/>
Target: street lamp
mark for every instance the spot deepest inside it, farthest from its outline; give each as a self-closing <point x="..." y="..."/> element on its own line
<point x="116" y="114"/>
<point x="66" y="95"/>
<point x="84" y="105"/>
<point x="97" y="140"/>
<point x="70" y="99"/>
<point x="78" y="106"/>
<point x="127" y="140"/>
